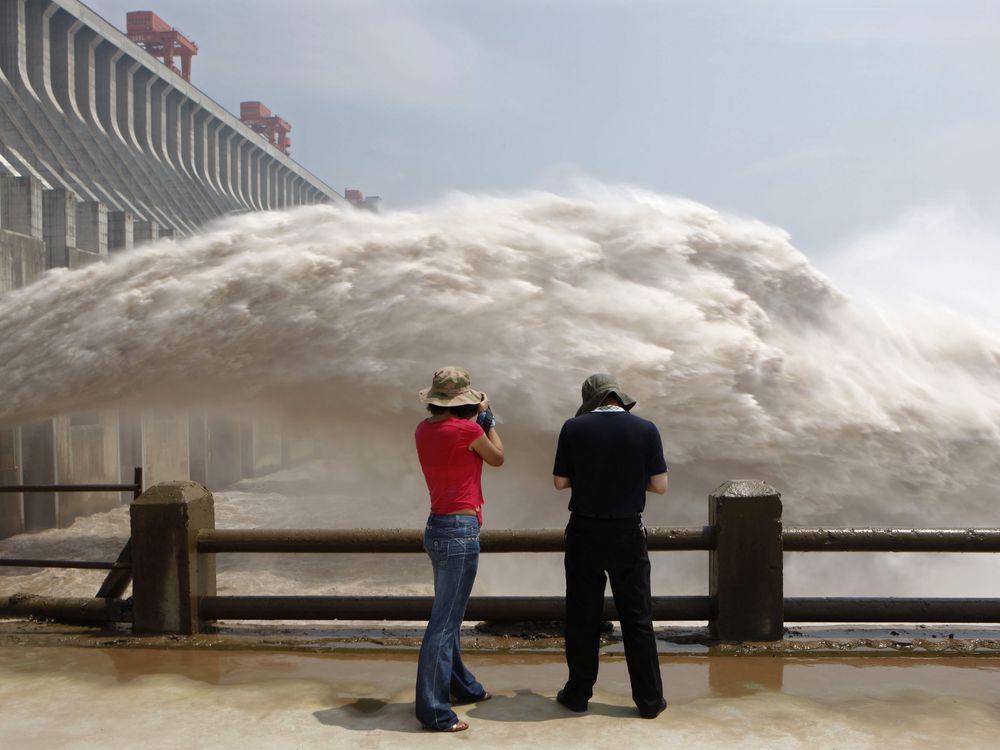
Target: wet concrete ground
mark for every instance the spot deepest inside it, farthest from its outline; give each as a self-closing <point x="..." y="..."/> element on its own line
<point x="142" y="698"/>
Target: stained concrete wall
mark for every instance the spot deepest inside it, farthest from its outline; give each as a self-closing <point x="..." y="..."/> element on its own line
<point x="86" y="447"/>
<point x="38" y="466"/>
<point x="22" y="260"/>
<point x="224" y="451"/>
<point x="11" y="505"/>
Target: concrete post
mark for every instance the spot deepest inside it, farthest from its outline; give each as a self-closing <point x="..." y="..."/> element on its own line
<point x="58" y="225"/>
<point x="21" y="209"/>
<point x="168" y="573"/>
<point x="745" y="571"/>
<point x="92" y="227"/>
<point x="120" y="230"/>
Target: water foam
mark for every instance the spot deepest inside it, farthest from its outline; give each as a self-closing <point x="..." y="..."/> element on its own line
<point x="748" y="358"/>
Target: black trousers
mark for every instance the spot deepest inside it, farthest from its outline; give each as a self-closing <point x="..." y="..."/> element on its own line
<point x="596" y="550"/>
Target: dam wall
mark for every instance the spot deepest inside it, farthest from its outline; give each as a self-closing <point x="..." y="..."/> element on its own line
<point x="85" y="109"/>
<point x="104" y="148"/>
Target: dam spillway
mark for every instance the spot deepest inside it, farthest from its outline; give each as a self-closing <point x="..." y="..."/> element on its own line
<point x="85" y="109"/>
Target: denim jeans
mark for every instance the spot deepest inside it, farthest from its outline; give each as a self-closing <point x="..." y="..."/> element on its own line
<point x="452" y="543"/>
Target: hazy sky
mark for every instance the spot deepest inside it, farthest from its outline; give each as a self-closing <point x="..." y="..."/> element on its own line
<point x="841" y="121"/>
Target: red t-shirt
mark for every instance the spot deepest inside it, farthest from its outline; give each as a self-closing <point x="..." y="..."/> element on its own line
<point x="453" y="472"/>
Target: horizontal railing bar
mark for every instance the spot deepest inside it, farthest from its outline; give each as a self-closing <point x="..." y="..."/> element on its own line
<point x="680" y="608"/>
<point x="66" y="608"/>
<point x="890" y="540"/>
<point x="553" y="608"/>
<point x="848" y="609"/>
<point x="500" y="608"/>
<point x="70" y="488"/>
<point x="411" y="540"/>
<point x="81" y="564"/>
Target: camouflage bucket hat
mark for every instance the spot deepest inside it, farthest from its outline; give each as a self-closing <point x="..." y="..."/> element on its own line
<point x="597" y="387"/>
<point x="450" y="387"/>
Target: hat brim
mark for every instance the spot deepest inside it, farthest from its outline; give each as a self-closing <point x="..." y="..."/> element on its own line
<point x="598" y="398"/>
<point x="465" y="398"/>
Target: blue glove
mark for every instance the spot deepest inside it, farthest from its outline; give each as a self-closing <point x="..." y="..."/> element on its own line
<point x="486" y="420"/>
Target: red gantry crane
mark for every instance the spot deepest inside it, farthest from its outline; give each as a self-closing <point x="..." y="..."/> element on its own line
<point x="261" y="120"/>
<point x="160" y="39"/>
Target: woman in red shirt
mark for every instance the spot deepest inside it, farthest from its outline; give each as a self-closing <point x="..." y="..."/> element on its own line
<point x="452" y="445"/>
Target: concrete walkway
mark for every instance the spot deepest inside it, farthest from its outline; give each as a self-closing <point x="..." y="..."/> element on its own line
<point x="76" y="698"/>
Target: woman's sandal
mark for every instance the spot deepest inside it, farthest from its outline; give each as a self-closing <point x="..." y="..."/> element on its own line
<point x="458" y="726"/>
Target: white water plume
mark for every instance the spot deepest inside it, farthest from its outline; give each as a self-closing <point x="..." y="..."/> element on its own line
<point x="750" y="362"/>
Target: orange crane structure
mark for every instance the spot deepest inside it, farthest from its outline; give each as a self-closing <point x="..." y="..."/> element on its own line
<point x="261" y="120"/>
<point x="160" y="39"/>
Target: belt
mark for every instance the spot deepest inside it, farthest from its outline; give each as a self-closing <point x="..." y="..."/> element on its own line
<point x="608" y="516"/>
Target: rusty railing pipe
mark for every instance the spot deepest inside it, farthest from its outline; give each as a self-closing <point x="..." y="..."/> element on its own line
<point x="411" y="540"/>
<point x="502" y="608"/>
<point x="877" y="609"/>
<point x="891" y="540"/>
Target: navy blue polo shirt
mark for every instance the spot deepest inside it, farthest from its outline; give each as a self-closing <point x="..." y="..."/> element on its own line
<point x="609" y="457"/>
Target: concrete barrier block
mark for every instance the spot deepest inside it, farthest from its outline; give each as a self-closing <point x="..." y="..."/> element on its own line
<point x="745" y="569"/>
<point x="168" y="573"/>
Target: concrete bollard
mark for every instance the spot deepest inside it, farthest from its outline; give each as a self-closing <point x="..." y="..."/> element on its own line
<point x="168" y="573"/>
<point x="745" y="569"/>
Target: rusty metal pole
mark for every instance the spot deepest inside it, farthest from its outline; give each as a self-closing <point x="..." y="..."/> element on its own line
<point x="745" y="571"/>
<point x="168" y="573"/>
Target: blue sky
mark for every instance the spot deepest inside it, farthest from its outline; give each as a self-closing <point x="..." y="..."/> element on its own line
<point x="837" y="120"/>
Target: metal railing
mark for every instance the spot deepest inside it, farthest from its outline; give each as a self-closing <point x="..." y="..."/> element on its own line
<point x="382" y="541"/>
<point x="745" y="542"/>
<point x="120" y="575"/>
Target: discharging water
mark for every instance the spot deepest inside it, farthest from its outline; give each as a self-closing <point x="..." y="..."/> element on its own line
<point x="752" y="364"/>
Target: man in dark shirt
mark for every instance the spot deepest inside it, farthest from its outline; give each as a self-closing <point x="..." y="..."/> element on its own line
<point x="610" y="459"/>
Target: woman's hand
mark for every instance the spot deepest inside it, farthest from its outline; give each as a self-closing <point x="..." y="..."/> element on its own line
<point x="484" y="405"/>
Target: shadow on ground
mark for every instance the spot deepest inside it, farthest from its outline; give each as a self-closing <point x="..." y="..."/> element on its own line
<point x="368" y="714"/>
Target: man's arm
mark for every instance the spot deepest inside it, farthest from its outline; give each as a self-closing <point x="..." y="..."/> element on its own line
<point x="561" y="483"/>
<point x="657" y="483"/>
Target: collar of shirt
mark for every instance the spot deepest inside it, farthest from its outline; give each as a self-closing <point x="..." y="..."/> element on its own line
<point x="609" y="407"/>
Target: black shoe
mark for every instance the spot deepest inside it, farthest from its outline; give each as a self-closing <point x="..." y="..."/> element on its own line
<point x="653" y="714"/>
<point x="563" y="701"/>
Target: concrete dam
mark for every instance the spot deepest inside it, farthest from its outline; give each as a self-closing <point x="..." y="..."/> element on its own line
<point x="105" y="146"/>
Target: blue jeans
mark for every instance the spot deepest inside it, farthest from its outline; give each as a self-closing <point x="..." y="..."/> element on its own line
<point x="452" y="543"/>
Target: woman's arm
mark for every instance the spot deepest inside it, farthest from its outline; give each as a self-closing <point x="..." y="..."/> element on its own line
<point x="489" y="447"/>
<point x="561" y="483"/>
